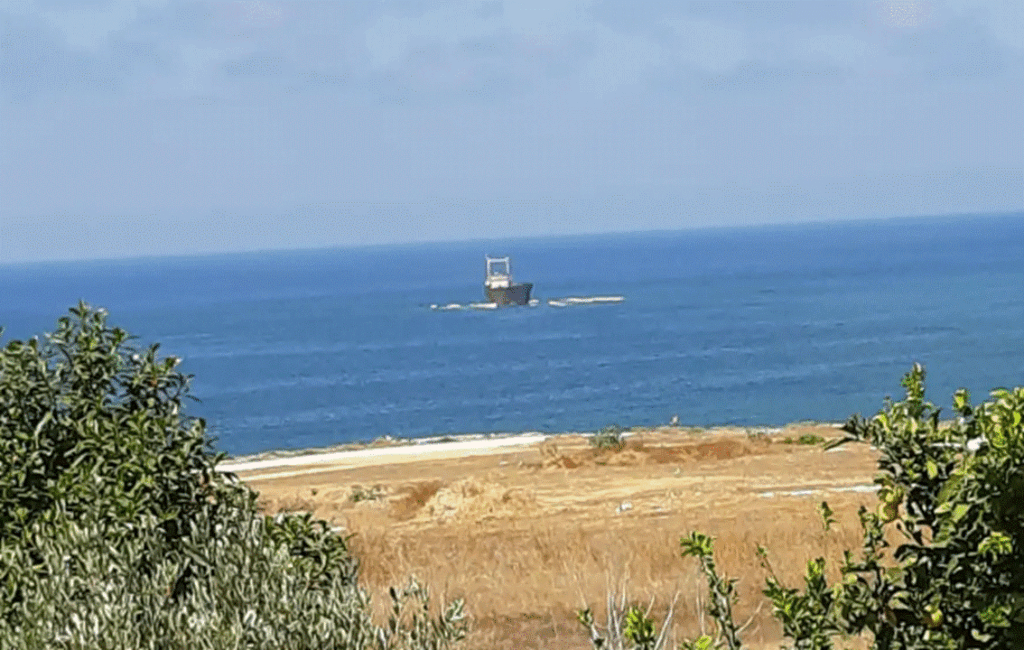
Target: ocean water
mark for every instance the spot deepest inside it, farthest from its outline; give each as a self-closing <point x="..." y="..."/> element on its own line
<point x="752" y="326"/>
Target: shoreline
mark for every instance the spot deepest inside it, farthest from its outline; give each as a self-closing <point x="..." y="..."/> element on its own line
<point x="383" y="442"/>
<point x="395" y="452"/>
<point x="398" y="450"/>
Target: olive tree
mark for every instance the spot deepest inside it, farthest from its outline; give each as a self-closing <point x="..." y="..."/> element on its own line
<point x="117" y="530"/>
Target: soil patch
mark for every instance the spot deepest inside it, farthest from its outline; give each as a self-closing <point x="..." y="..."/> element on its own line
<point x="529" y="535"/>
<point x="474" y="500"/>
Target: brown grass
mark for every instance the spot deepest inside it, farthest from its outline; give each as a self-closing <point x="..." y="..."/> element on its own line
<point x="528" y="537"/>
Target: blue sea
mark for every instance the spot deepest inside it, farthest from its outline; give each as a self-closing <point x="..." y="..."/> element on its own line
<point x="751" y="326"/>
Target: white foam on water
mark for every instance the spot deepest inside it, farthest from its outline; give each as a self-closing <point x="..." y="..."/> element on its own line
<point x="591" y="300"/>
<point x="584" y="300"/>
<point x="553" y="302"/>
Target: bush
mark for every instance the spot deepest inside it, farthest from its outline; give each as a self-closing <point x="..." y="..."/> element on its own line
<point x="610" y="437"/>
<point x="629" y="626"/>
<point x="804" y="439"/>
<point x="252" y="595"/>
<point x="117" y="530"/>
<point x="359" y="493"/>
<point x="91" y="425"/>
<point x="954" y="494"/>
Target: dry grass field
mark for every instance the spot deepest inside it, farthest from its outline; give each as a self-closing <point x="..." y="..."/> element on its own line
<point x="528" y="535"/>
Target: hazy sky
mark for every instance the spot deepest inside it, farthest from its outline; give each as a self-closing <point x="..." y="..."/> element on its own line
<point x="153" y="127"/>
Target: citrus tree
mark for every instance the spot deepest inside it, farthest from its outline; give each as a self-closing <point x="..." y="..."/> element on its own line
<point x="952" y="493"/>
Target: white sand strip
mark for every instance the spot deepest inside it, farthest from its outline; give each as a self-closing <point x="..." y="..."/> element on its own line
<point x="392" y="453"/>
<point x="821" y="490"/>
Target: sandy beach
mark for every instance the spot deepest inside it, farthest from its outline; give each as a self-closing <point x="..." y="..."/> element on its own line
<point x="305" y="463"/>
<point x="529" y="528"/>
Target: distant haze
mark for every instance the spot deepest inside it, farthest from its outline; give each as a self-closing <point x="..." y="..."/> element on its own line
<point x="158" y="128"/>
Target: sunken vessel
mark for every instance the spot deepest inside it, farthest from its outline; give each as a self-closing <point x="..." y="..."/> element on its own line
<point x="499" y="287"/>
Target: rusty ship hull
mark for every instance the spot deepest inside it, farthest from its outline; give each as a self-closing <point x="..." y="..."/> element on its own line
<point x="499" y="288"/>
<point x="516" y="294"/>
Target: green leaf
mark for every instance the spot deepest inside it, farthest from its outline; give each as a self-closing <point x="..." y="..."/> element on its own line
<point x="960" y="510"/>
<point x="705" y="642"/>
<point x="697" y="545"/>
<point x="962" y="401"/>
<point x="995" y="545"/>
<point x="949" y="490"/>
<point x="827" y="515"/>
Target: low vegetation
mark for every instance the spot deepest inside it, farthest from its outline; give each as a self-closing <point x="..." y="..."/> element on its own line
<point x="804" y="439"/>
<point x="610" y="437"/>
<point x="360" y="493"/>
<point x="117" y="530"/>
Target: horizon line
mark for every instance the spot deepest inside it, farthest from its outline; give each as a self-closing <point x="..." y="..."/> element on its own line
<point x="520" y="238"/>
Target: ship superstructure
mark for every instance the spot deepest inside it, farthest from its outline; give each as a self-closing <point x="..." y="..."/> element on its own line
<point x="499" y="288"/>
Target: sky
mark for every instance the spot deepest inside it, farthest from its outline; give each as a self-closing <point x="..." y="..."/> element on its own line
<point x="164" y="128"/>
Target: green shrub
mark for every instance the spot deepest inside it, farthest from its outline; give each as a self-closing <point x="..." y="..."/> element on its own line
<point x="954" y="494"/>
<point x="610" y="437"/>
<point x="804" y="439"/>
<point x="83" y="593"/>
<point x="90" y="424"/>
<point x="117" y="530"/>
<point x="359" y="493"/>
<point x="629" y="626"/>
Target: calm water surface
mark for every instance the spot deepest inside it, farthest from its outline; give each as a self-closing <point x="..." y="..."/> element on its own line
<point x="746" y="326"/>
